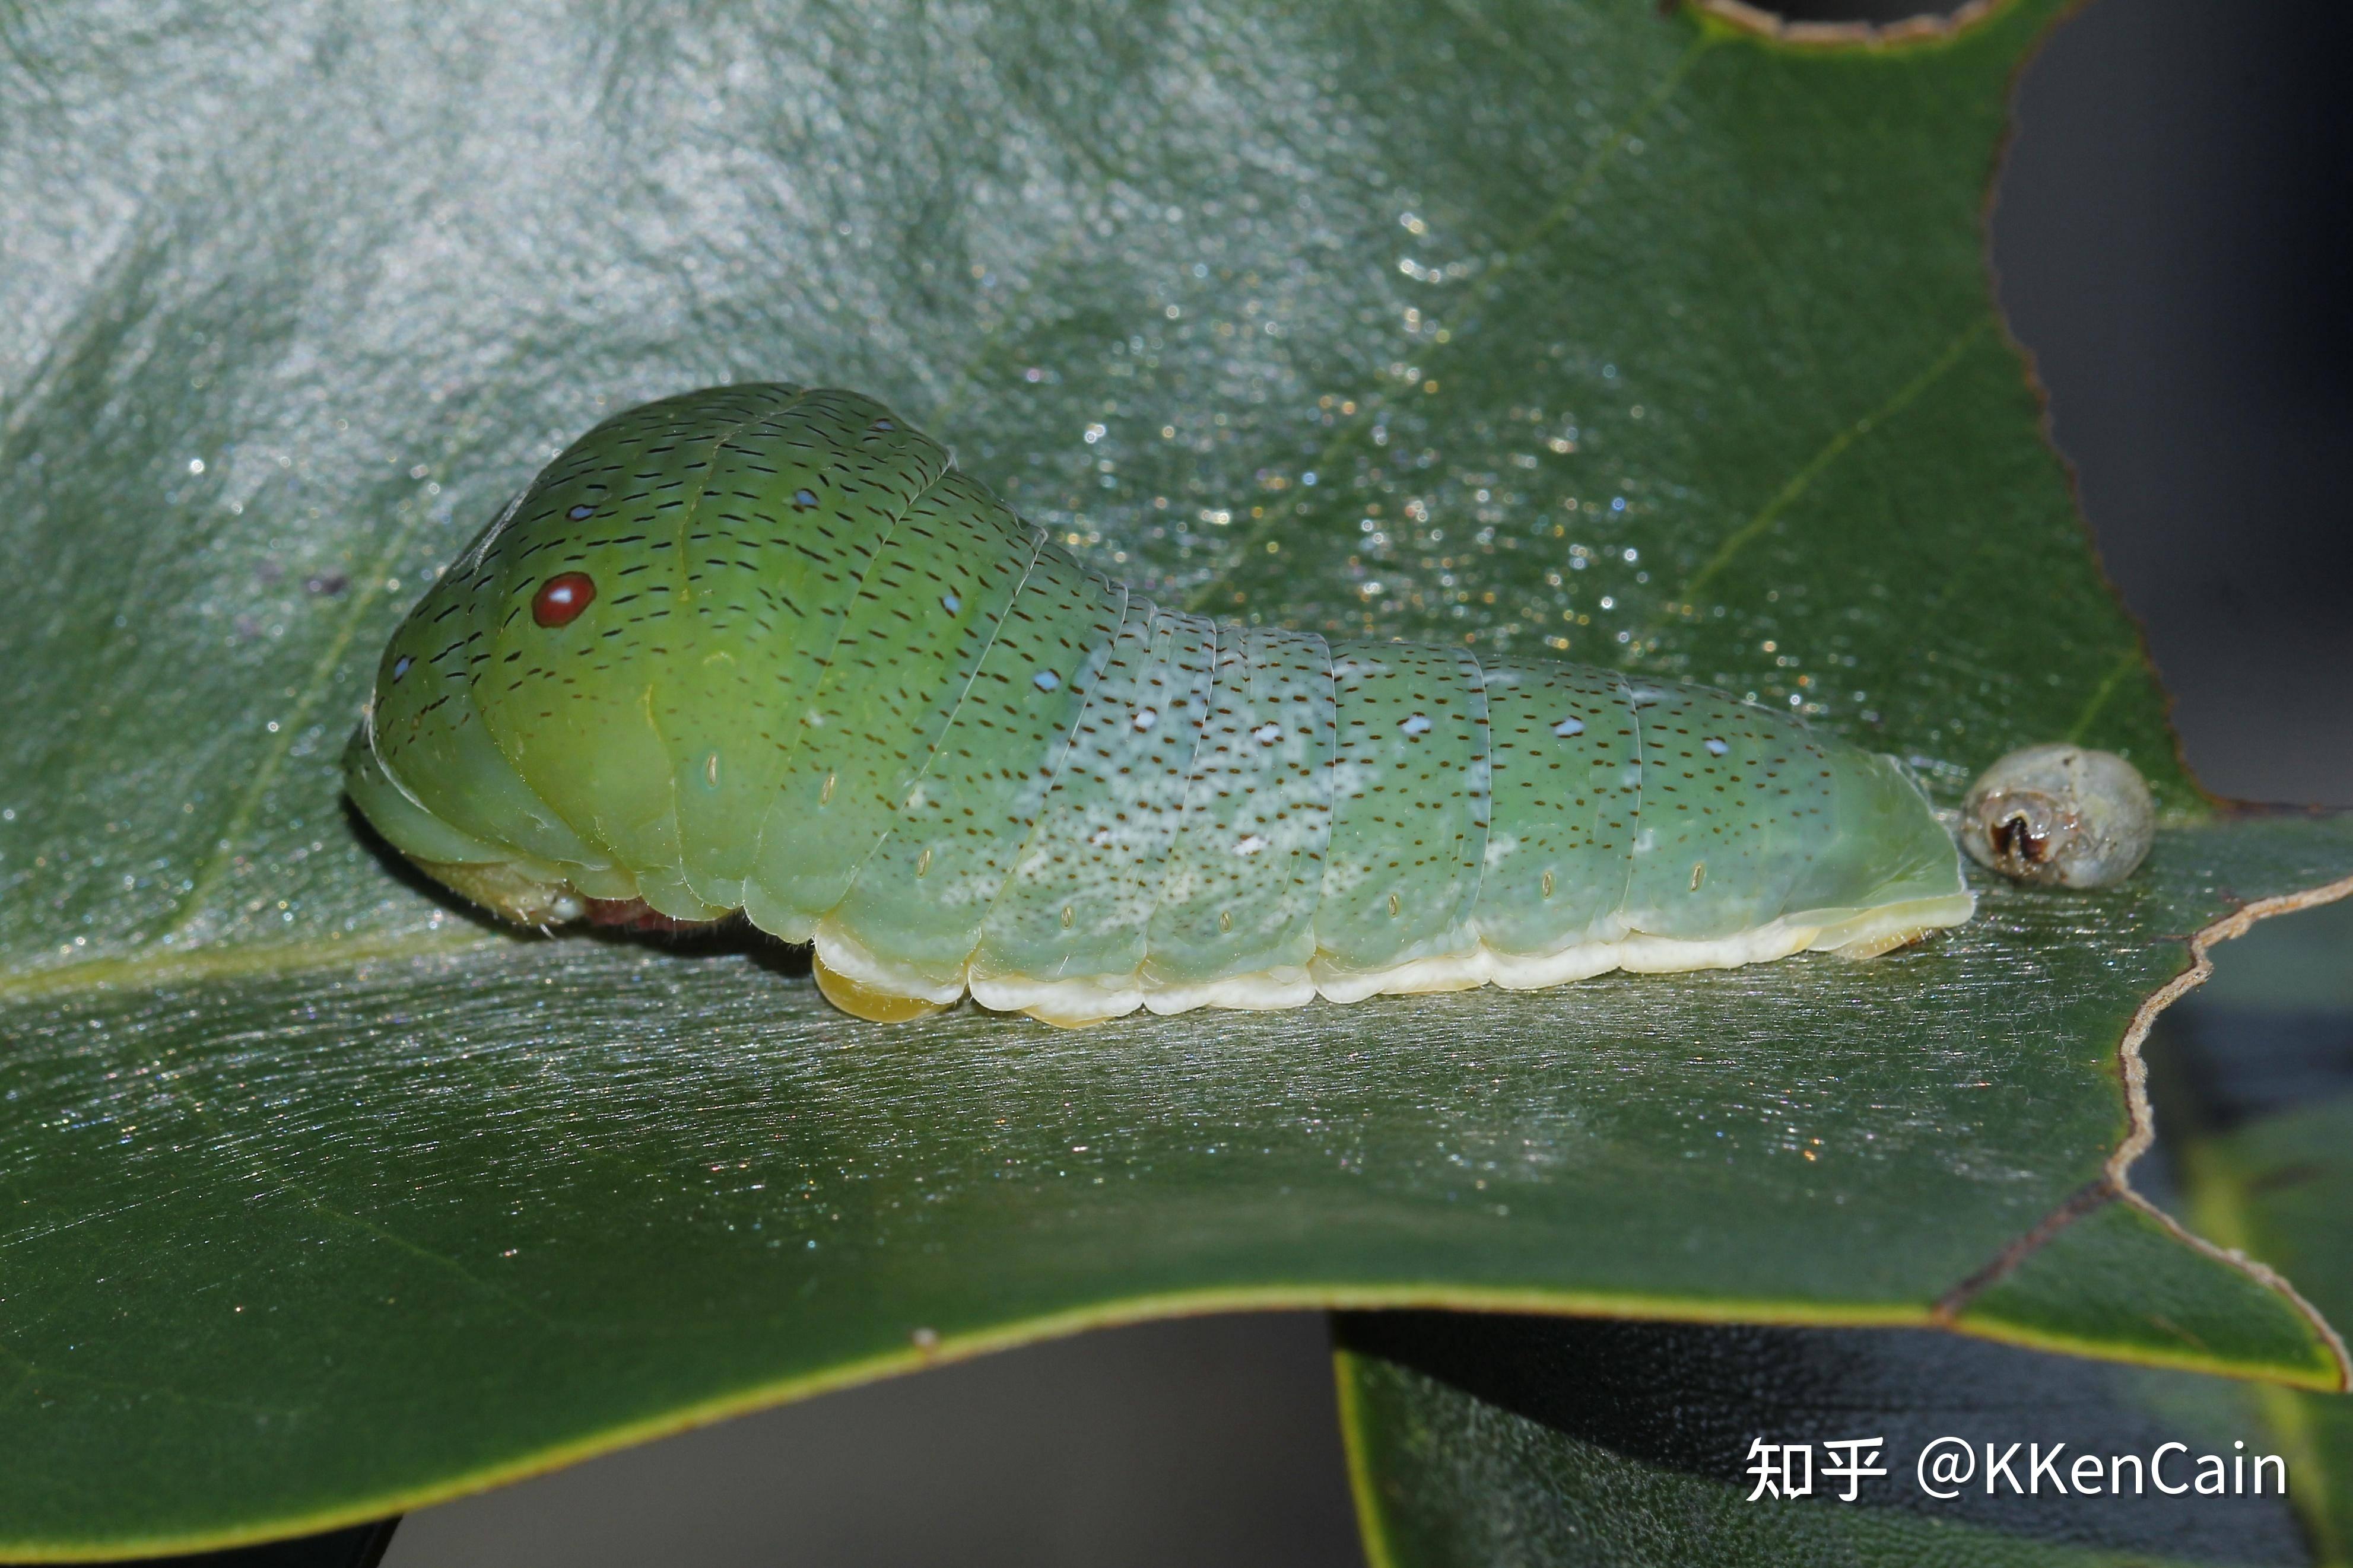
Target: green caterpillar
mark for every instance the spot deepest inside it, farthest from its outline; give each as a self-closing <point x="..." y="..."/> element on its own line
<point x="765" y="648"/>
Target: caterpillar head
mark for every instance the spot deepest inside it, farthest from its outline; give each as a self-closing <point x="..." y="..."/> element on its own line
<point x="2059" y="816"/>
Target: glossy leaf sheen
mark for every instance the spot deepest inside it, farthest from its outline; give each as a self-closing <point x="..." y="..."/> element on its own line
<point x="321" y="1199"/>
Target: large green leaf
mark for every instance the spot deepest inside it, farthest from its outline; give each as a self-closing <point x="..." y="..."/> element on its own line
<point x="323" y="1199"/>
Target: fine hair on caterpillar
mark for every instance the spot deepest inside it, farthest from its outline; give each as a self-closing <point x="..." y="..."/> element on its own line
<point x="765" y="648"/>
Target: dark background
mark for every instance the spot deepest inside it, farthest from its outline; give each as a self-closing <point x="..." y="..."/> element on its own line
<point x="2173" y="242"/>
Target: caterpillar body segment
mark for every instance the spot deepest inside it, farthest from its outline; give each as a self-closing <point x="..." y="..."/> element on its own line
<point x="763" y="647"/>
<point x="1072" y="917"/>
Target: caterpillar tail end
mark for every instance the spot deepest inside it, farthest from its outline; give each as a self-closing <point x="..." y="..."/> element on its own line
<point x="1872" y="932"/>
<point x="1887" y="942"/>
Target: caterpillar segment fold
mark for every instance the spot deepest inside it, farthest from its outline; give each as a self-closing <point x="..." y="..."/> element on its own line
<point x="764" y="649"/>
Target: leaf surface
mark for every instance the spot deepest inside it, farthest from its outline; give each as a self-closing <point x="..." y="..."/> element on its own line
<point x="1569" y="330"/>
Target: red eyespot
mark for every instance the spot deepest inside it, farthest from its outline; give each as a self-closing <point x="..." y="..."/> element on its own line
<point x="560" y="599"/>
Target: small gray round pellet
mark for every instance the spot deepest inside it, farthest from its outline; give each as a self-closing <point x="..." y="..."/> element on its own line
<point x="2060" y="817"/>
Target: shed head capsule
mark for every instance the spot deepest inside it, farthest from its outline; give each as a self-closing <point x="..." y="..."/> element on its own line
<point x="2060" y="817"/>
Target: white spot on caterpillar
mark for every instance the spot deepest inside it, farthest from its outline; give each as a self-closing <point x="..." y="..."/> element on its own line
<point x="1251" y="845"/>
<point x="1267" y="734"/>
<point x="1045" y="680"/>
<point x="1145" y="719"/>
<point x="1394" y="905"/>
<point x="827" y="792"/>
<point x="950" y="602"/>
<point x="1645" y="841"/>
<point x="1099" y="838"/>
<point x="1698" y="872"/>
<point x="1715" y="748"/>
<point x="1225" y="919"/>
<point x="1415" y="725"/>
<point x="711" y="770"/>
<point x="1569" y="727"/>
<point x="923" y="862"/>
<point x="1547" y="884"/>
<point x="1069" y="916"/>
